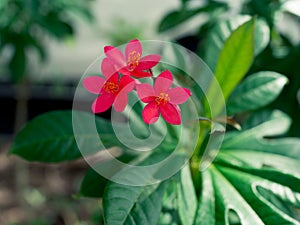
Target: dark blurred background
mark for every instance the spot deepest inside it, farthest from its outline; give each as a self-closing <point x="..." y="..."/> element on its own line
<point x="45" y="47"/>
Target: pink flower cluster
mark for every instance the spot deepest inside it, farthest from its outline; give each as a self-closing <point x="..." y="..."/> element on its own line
<point x="119" y="71"/>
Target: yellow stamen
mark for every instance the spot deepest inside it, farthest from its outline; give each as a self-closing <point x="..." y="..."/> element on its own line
<point x="133" y="60"/>
<point x="110" y="87"/>
<point x="163" y="98"/>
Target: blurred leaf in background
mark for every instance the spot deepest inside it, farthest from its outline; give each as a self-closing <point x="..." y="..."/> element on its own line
<point x="24" y="25"/>
<point x="278" y="21"/>
<point x="123" y="31"/>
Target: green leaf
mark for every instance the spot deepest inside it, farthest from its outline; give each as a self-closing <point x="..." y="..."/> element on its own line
<point x="217" y="38"/>
<point x="256" y="91"/>
<point x="141" y="201"/>
<point x="93" y="184"/>
<point x="254" y="138"/>
<point x="228" y="198"/>
<point x="223" y="29"/>
<point x="17" y="64"/>
<point x="175" y="18"/>
<point x="254" y="179"/>
<point x="187" y="203"/>
<point x="278" y="169"/>
<point x="262" y="36"/>
<point x="169" y="214"/>
<point x="55" y="26"/>
<point x="50" y="137"/>
<point x="206" y="207"/>
<point x="245" y="186"/>
<point x="236" y="57"/>
<point x="234" y="61"/>
<point x="132" y="205"/>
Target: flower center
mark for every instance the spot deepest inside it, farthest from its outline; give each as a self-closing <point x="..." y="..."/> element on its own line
<point x="110" y="87"/>
<point x="163" y="98"/>
<point x="133" y="60"/>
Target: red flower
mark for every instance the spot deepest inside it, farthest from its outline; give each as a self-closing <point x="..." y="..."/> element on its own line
<point x="132" y="63"/>
<point x="112" y="90"/>
<point x="162" y="99"/>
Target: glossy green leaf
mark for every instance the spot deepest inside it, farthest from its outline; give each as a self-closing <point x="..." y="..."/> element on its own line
<point x="236" y="57"/>
<point x="206" y="207"/>
<point x="50" y="137"/>
<point x="132" y="205"/>
<point x="234" y="61"/>
<point x="169" y="213"/>
<point x="227" y="198"/>
<point x="245" y="186"/>
<point x="218" y="36"/>
<point x="92" y="185"/>
<point x="223" y="29"/>
<point x="123" y="200"/>
<point x="255" y="138"/>
<point x="124" y="204"/>
<point x="262" y="163"/>
<point x="179" y="202"/>
<point x="292" y="6"/>
<point x="256" y="91"/>
<point x="187" y="203"/>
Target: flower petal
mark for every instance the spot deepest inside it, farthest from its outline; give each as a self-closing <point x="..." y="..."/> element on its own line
<point x="114" y="79"/>
<point x="163" y="82"/>
<point x="93" y="84"/>
<point x="150" y="113"/>
<point x="115" y="55"/>
<point x="108" y="68"/>
<point x="133" y="46"/>
<point x="145" y="92"/>
<point x="140" y="74"/>
<point x="171" y="113"/>
<point x="103" y="103"/>
<point x="126" y="84"/>
<point x="178" y="95"/>
<point x="147" y="62"/>
<point x="121" y="102"/>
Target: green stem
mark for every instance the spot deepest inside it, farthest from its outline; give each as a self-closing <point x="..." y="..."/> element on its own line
<point x="196" y="157"/>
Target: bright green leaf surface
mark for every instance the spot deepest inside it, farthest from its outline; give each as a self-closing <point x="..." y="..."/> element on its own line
<point x="246" y="186"/>
<point x="253" y="139"/>
<point x="256" y="91"/>
<point x="206" y="207"/>
<point x="218" y="36"/>
<point x="234" y="61"/>
<point x="220" y="33"/>
<point x="187" y="202"/>
<point x="236" y="57"/>
<point x="227" y="197"/>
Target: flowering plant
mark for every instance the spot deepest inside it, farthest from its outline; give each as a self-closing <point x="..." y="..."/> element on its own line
<point x="114" y="90"/>
<point x="201" y="166"/>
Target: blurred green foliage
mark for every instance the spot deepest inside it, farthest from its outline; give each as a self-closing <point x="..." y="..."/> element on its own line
<point x="24" y="25"/>
<point x="125" y="32"/>
<point x="281" y="55"/>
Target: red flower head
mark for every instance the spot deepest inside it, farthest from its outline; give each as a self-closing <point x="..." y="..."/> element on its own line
<point x="132" y="63"/>
<point x="162" y="99"/>
<point x="112" y="90"/>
